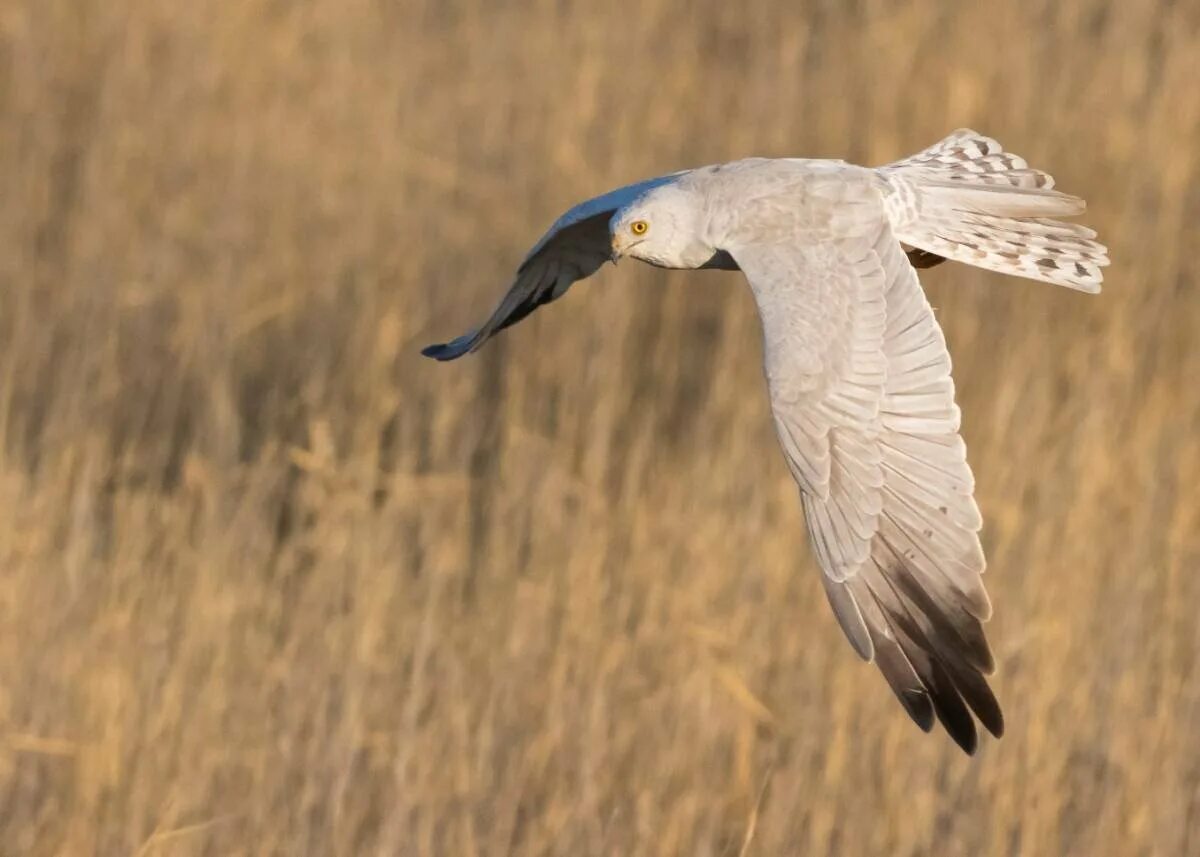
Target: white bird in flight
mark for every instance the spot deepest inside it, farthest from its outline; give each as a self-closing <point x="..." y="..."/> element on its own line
<point x="856" y="365"/>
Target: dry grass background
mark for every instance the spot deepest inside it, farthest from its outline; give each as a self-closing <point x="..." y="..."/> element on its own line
<point x="270" y="583"/>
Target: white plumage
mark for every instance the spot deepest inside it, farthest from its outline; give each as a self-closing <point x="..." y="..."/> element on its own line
<point x="856" y="365"/>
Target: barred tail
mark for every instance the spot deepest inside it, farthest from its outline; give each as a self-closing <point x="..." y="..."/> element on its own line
<point x="966" y="199"/>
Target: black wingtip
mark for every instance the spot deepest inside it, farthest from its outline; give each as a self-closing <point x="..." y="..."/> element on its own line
<point x="956" y="719"/>
<point x="920" y="708"/>
<point x="996" y="725"/>
<point x="438" y="352"/>
<point x="450" y="350"/>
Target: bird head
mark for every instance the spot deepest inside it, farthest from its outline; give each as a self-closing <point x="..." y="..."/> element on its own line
<point x="663" y="227"/>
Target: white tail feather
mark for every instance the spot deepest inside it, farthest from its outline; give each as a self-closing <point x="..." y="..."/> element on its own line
<point x="965" y="199"/>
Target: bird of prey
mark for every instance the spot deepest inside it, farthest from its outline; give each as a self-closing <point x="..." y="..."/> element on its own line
<point x="856" y="366"/>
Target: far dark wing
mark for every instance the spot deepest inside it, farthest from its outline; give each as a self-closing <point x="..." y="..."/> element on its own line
<point x="572" y="249"/>
<point x="576" y="251"/>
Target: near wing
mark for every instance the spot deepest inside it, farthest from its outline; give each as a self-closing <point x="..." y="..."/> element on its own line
<point x="573" y="248"/>
<point x="863" y="402"/>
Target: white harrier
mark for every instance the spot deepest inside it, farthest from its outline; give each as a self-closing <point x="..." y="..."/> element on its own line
<point x="856" y="366"/>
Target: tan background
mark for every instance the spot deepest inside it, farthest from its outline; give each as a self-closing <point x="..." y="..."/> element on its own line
<point x="270" y="583"/>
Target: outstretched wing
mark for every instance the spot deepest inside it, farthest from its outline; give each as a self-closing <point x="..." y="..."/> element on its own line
<point x="572" y="249"/>
<point x="863" y="402"/>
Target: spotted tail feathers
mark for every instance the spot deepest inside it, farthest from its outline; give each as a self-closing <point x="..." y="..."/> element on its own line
<point x="966" y="199"/>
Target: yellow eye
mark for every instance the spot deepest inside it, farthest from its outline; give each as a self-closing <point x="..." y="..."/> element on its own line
<point x="639" y="227"/>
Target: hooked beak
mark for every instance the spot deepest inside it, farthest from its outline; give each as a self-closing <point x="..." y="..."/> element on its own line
<point x="614" y="251"/>
<point x="620" y="247"/>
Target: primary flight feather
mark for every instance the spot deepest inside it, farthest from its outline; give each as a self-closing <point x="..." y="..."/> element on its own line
<point x="856" y="365"/>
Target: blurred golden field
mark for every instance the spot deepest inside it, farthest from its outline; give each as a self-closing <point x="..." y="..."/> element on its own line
<point x="271" y="583"/>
